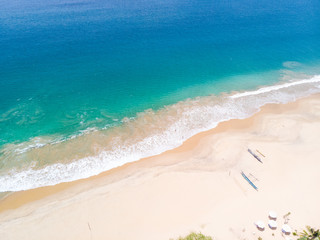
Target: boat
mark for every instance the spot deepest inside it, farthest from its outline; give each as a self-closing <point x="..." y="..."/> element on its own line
<point x="255" y="155"/>
<point x="248" y="180"/>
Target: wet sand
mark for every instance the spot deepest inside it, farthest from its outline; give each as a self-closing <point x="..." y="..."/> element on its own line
<point x="195" y="187"/>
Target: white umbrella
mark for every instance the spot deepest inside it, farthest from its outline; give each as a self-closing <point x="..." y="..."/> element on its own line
<point x="286" y="229"/>
<point x="273" y="215"/>
<point x="272" y="224"/>
<point x="260" y="225"/>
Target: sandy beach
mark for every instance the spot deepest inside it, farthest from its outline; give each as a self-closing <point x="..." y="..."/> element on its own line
<point x="196" y="187"/>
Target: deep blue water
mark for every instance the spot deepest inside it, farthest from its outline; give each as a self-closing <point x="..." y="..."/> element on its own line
<point x="66" y="66"/>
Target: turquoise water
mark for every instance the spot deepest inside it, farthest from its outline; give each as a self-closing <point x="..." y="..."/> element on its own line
<point x="83" y="82"/>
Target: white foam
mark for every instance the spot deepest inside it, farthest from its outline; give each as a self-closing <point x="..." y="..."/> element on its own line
<point x="38" y="142"/>
<point x="193" y="116"/>
<point x="314" y="79"/>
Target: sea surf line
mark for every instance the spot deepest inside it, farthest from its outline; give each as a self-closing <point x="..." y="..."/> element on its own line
<point x="152" y="133"/>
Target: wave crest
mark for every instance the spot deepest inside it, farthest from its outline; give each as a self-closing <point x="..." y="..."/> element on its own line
<point x="150" y="133"/>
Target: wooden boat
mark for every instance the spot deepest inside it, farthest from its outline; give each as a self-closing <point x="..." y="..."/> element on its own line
<point x="249" y="181"/>
<point x="255" y="155"/>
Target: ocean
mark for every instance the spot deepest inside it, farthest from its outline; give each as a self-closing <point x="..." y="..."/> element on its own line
<point x="86" y="86"/>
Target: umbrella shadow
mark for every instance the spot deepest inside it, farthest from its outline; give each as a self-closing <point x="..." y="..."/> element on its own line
<point x="272" y="228"/>
<point x="260" y="229"/>
<point x="286" y="233"/>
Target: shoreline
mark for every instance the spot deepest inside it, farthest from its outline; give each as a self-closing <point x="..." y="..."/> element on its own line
<point x="151" y="133"/>
<point x="19" y="198"/>
<point x="203" y="157"/>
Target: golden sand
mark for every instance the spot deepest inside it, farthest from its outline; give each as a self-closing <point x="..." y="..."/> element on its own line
<point x="196" y="187"/>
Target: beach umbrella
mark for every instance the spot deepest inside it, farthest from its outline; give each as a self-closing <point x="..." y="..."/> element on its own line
<point x="273" y="215"/>
<point x="286" y="229"/>
<point x="272" y="224"/>
<point x="260" y="225"/>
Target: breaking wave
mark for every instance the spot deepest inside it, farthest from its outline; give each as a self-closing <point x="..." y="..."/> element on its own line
<point x="150" y="133"/>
